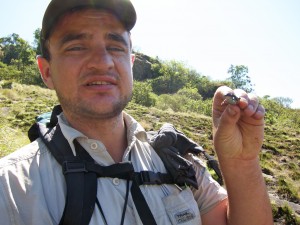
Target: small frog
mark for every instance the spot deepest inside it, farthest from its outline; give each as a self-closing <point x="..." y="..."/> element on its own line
<point x="231" y="99"/>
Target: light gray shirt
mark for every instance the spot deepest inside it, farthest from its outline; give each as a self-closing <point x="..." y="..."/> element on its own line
<point x="33" y="190"/>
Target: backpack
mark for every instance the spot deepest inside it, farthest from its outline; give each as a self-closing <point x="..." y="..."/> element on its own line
<point x="81" y="172"/>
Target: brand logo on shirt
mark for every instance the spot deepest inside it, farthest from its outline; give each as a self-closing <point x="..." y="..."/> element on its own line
<point x="184" y="216"/>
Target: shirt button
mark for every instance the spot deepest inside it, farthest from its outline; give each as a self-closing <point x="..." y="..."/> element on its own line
<point x="116" y="181"/>
<point x="94" y="146"/>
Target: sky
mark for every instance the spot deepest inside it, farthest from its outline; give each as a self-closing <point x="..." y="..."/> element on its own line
<point x="206" y="35"/>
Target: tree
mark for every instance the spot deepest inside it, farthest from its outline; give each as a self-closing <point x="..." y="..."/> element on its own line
<point x="190" y="93"/>
<point x="142" y="94"/>
<point x="1" y="54"/>
<point x="16" y="51"/>
<point x="284" y="101"/>
<point x="9" y="73"/>
<point x="207" y="87"/>
<point x="173" y="76"/>
<point x="36" y="42"/>
<point x="240" y="78"/>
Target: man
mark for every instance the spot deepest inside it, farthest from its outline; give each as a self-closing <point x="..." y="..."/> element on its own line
<point x="87" y="60"/>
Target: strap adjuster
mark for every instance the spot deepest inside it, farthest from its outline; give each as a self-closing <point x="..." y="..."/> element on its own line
<point x="149" y="177"/>
<point x="74" y="167"/>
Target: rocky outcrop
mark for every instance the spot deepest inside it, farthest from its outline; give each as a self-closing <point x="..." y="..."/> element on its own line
<point x="142" y="67"/>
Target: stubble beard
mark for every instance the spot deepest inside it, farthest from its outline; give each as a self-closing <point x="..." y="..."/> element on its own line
<point x="83" y="110"/>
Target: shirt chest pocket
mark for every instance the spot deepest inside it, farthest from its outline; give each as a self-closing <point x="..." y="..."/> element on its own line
<point x="182" y="208"/>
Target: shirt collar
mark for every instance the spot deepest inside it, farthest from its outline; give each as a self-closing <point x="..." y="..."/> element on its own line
<point x="69" y="132"/>
<point x="134" y="131"/>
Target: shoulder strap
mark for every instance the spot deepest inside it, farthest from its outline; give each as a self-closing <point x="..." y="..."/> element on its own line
<point x="79" y="207"/>
<point x="33" y="132"/>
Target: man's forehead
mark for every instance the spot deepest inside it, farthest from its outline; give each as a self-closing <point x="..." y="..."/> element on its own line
<point x="75" y="26"/>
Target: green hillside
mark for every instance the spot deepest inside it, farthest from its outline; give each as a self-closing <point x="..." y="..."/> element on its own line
<point x="280" y="156"/>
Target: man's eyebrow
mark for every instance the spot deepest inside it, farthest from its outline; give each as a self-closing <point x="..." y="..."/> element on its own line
<point x="117" y="37"/>
<point x="74" y="36"/>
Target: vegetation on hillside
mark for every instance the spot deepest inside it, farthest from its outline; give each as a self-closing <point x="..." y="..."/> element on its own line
<point x="178" y="95"/>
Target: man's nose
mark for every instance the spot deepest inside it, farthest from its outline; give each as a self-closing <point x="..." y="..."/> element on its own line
<point x="100" y="59"/>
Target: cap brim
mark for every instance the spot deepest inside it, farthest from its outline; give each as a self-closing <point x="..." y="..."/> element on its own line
<point x="123" y="10"/>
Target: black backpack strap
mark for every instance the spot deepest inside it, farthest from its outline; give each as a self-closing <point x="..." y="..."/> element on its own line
<point x="79" y="207"/>
<point x="141" y="205"/>
<point x="55" y="112"/>
<point x="34" y="133"/>
<point x="214" y="164"/>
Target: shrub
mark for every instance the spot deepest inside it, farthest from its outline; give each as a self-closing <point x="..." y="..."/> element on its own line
<point x="143" y="95"/>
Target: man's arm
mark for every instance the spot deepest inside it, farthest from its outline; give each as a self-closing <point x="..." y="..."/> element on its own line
<point x="216" y="216"/>
<point x="238" y="136"/>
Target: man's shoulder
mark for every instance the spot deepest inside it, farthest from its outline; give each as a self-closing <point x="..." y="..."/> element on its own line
<point x="24" y="154"/>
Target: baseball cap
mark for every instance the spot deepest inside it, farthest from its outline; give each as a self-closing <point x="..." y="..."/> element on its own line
<point x="122" y="9"/>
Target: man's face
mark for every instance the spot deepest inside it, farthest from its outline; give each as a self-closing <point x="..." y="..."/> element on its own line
<point x="91" y="64"/>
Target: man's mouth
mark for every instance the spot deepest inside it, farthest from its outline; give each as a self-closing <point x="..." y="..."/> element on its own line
<point x="99" y="83"/>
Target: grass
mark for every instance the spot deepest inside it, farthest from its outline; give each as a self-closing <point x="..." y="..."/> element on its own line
<point x="11" y="139"/>
<point x="280" y="156"/>
<point x="18" y="107"/>
<point x="285" y="215"/>
<point x="287" y="190"/>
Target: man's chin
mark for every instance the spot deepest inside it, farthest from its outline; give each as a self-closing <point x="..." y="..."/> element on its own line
<point x="95" y="109"/>
<point x="103" y="111"/>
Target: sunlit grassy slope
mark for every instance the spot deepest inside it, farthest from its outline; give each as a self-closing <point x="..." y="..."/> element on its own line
<point x="280" y="156"/>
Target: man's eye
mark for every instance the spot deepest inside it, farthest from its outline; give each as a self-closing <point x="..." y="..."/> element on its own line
<point x="115" y="49"/>
<point x="76" y="48"/>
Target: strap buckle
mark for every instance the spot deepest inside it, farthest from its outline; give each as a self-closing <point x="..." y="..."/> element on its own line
<point x="149" y="177"/>
<point x="74" y="167"/>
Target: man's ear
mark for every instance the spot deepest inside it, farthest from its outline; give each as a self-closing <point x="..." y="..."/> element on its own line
<point x="132" y="59"/>
<point x="45" y="72"/>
